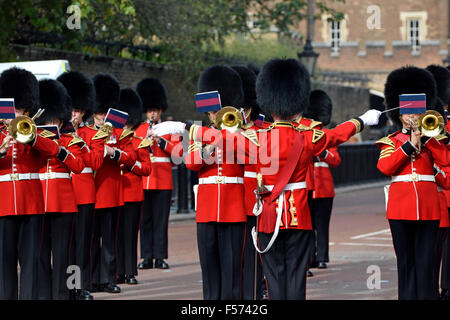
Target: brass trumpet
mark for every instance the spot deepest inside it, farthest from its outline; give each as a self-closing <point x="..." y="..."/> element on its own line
<point x="431" y="124"/>
<point x="229" y="118"/>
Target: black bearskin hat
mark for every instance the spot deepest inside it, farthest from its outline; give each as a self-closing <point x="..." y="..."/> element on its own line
<point x="23" y="86"/>
<point x="55" y="100"/>
<point x="81" y="90"/>
<point x="282" y="87"/>
<point x="320" y="107"/>
<point x="442" y="77"/>
<point x="248" y="78"/>
<point x="408" y="79"/>
<point x="153" y="94"/>
<point x="131" y="103"/>
<point x="225" y="80"/>
<point x="107" y="91"/>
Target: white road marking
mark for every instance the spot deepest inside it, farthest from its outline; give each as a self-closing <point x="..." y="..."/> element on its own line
<point x="365" y="244"/>
<point x="369" y="234"/>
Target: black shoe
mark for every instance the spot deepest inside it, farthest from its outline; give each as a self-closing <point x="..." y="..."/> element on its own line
<point x="130" y="280"/>
<point x="322" y="265"/>
<point x="445" y="294"/>
<point x="84" y="295"/>
<point x="146" y="264"/>
<point x="110" y="288"/>
<point x="264" y="295"/>
<point x="309" y="273"/>
<point x="161" y="264"/>
<point x="120" y="279"/>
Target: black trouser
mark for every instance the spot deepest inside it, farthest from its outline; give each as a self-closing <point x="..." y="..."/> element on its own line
<point x="251" y="264"/>
<point x="442" y="235"/>
<point x="82" y="240"/>
<point x="155" y="223"/>
<point x="445" y="271"/>
<point x="20" y="237"/>
<point x="285" y="264"/>
<point x="104" y="255"/>
<point x="414" y="244"/>
<point x="55" y="255"/>
<point x="127" y="238"/>
<point x="320" y="217"/>
<point x="220" y="249"/>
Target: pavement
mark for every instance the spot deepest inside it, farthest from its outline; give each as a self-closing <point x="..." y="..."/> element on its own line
<point x="362" y="260"/>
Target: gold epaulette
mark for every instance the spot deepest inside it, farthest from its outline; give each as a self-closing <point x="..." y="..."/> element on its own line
<point x="145" y="143"/>
<point x="251" y="136"/>
<point x="126" y="133"/>
<point x="315" y="123"/>
<point x="47" y="134"/>
<point x="75" y="140"/>
<point x="317" y="135"/>
<point x="440" y="137"/>
<point x="386" y="140"/>
<point x="270" y="127"/>
<point x="101" y="134"/>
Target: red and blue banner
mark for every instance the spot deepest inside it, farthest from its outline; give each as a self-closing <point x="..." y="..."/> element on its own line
<point x="208" y="101"/>
<point x="116" y="117"/>
<point x="413" y="103"/>
<point x="260" y="120"/>
<point x="7" y="108"/>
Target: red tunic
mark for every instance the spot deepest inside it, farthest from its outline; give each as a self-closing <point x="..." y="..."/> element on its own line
<point x="323" y="179"/>
<point x="92" y="153"/>
<point x="160" y="177"/>
<point x="414" y="199"/>
<point x="443" y="181"/>
<point x="108" y="178"/>
<point x="132" y="176"/>
<point x="58" y="191"/>
<point x="22" y="196"/>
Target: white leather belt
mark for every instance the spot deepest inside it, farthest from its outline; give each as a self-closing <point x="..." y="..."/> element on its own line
<point x="413" y="177"/>
<point x="291" y="186"/>
<point x="54" y="175"/>
<point x="160" y="159"/>
<point x="250" y="174"/>
<point x="221" y="180"/>
<point x="19" y="176"/>
<point x="321" y="164"/>
<point x="87" y="170"/>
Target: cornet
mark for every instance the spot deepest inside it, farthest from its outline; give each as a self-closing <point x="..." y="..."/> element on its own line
<point x="430" y="124"/>
<point x="23" y="129"/>
<point x="229" y="118"/>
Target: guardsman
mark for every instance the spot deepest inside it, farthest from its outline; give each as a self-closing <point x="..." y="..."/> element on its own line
<point x="133" y="192"/>
<point x="413" y="203"/>
<point x="158" y="185"/>
<point x="108" y="185"/>
<point x="220" y="214"/>
<point x="82" y="92"/>
<point x="320" y="108"/>
<point x="442" y="77"/>
<point x="22" y="205"/>
<point x="282" y="90"/>
<point x="252" y="287"/>
<point x="59" y="197"/>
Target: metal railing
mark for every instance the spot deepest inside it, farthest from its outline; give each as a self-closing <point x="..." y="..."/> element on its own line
<point x="358" y="166"/>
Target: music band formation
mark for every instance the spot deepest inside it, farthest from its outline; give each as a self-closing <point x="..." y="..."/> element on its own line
<point x="82" y="196"/>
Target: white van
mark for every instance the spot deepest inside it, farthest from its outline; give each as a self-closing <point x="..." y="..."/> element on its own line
<point x="46" y="69"/>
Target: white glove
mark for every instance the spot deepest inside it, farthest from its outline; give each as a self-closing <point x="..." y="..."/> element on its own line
<point x="370" y="118"/>
<point x="168" y="127"/>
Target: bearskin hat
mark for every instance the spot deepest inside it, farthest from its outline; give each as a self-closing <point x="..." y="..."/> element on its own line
<point x="225" y="80"/>
<point x="320" y="107"/>
<point x="55" y="100"/>
<point x="153" y="94"/>
<point x="248" y="78"/>
<point x="23" y="86"/>
<point x="131" y="103"/>
<point x="107" y="91"/>
<point x="408" y="79"/>
<point x="283" y="87"/>
<point x="81" y="91"/>
<point x="442" y="77"/>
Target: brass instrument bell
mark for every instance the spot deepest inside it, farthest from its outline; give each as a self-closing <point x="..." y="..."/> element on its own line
<point x="431" y="124"/>
<point x="22" y="129"/>
<point x="229" y="118"/>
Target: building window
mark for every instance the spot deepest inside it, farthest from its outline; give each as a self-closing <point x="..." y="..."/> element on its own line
<point x="335" y="35"/>
<point x="413" y="34"/>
